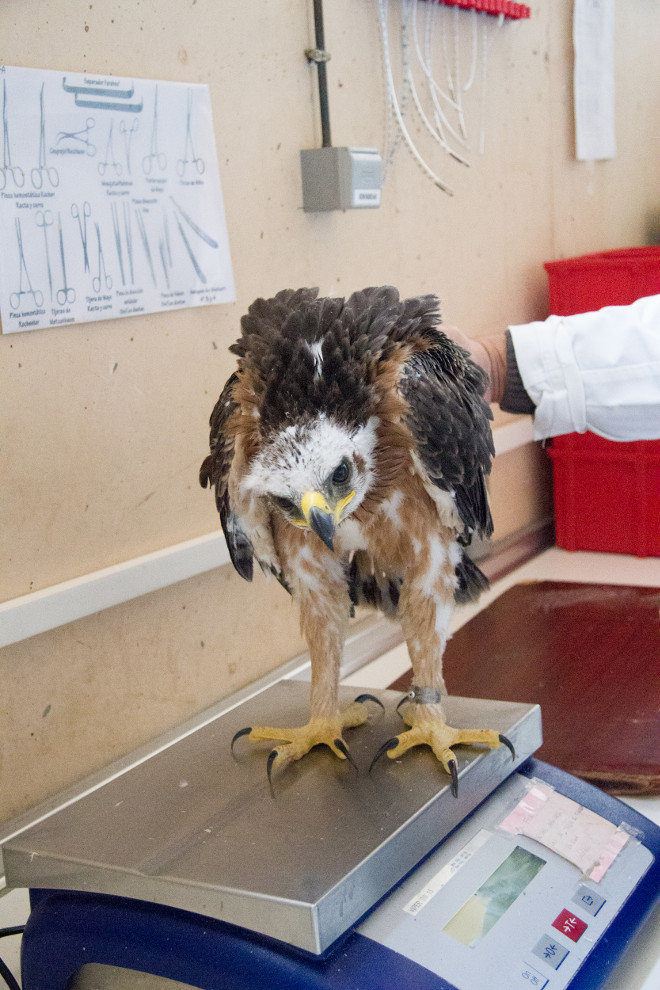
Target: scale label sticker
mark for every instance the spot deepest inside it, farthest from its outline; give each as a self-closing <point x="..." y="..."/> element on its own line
<point x="110" y="199"/>
<point x="575" y="833"/>
<point x="443" y="876"/>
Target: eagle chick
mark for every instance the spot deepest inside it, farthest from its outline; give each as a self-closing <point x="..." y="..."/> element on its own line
<point x="348" y="456"/>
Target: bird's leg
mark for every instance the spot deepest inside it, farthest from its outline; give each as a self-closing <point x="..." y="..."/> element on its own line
<point x="324" y="611"/>
<point x="425" y="615"/>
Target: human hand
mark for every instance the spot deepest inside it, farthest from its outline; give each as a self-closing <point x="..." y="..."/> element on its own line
<point x="489" y="353"/>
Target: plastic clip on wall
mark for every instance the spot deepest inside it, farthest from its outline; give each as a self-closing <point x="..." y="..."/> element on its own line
<point x="514" y="11"/>
<point x="607" y="494"/>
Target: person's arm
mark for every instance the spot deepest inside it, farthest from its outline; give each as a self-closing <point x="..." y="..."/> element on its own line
<point x="593" y="371"/>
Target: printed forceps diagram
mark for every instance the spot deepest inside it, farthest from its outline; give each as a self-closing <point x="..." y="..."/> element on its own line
<point x="67" y="294"/>
<point x="107" y="279"/>
<point x="82" y="136"/>
<point x="17" y="174"/>
<point x="44" y="219"/>
<point x="51" y="172"/>
<point x="110" y="160"/>
<point x="183" y="163"/>
<point x="145" y="242"/>
<point x="82" y="227"/>
<point x="118" y="247"/>
<point x="154" y="153"/>
<point x="37" y="294"/>
<point x="128" y="234"/>
<point x="127" y="134"/>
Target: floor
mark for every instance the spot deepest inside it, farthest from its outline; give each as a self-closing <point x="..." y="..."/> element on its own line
<point x="640" y="969"/>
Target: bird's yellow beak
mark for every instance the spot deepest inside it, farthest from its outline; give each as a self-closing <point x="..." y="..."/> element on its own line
<point x="320" y="517"/>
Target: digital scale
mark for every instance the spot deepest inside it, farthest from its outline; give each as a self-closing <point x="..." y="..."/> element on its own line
<point x="337" y="878"/>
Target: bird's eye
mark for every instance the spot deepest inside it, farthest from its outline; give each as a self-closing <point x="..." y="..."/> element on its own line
<point x="285" y="504"/>
<point x="341" y="474"/>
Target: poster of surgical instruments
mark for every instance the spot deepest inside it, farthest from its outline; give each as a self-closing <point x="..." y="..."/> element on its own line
<point x="110" y="199"/>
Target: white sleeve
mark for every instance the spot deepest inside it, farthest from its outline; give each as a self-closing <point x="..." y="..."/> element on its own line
<point x="594" y="371"/>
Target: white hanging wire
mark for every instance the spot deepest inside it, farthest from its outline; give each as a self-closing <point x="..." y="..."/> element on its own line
<point x="409" y="8"/>
<point x="473" y="67"/>
<point x="457" y="73"/>
<point x="437" y="132"/>
<point x="485" y="45"/>
<point x="440" y="118"/>
<point x="445" y="101"/>
<point x="383" y="9"/>
<point x="393" y="135"/>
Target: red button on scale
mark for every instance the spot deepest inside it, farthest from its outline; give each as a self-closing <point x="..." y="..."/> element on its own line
<point x="570" y="925"/>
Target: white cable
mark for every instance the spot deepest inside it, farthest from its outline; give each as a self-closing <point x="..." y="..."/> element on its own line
<point x="450" y="81"/>
<point x="392" y="138"/>
<point x="482" y="97"/>
<point x="424" y="60"/>
<point x="473" y="67"/>
<point x="441" y="120"/>
<point x="485" y="45"/>
<point x="457" y="70"/>
<point x="382" y="10"/>
<point x="437" y="133"/>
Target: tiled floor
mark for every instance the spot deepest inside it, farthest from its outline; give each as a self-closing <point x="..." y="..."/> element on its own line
<point x="640" y="969"/>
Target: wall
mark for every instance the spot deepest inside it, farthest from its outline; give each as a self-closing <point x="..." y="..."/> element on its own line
<point x="105" y="424"/>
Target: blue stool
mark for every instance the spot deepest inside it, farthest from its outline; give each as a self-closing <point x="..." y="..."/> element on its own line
<point x="67" y="929"/>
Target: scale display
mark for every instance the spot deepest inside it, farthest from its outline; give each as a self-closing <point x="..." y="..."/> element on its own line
<point x="495" y="896"/>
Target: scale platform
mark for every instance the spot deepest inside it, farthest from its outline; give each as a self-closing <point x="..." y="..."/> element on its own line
<point x="196" y="828"/>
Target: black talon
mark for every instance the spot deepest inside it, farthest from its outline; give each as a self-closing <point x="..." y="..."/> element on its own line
<point x="453" y="769"/>
<point x="402" y="702"/>
<point x="272" y="756"/>
<point x="508" y="744"/>
<point x="343" y="748"/>
<point x="390" y="744"/>
<point x="241" y="732"/>
<point x="370" y="697"/>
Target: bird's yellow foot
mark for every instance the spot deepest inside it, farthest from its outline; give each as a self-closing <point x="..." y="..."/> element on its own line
<point x="441" y="738"/>
<point x="298" y="741"/>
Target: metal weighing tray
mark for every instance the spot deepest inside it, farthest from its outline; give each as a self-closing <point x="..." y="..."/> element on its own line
<point x="197" y="828"/>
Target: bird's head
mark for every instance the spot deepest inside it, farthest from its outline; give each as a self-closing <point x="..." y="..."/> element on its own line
<point x="315" y="473"/>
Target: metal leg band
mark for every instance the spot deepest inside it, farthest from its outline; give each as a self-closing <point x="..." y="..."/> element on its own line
<point x="423" y="695"/>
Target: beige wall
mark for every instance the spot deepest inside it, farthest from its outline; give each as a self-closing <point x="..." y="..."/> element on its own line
<point x="105" y="424"/>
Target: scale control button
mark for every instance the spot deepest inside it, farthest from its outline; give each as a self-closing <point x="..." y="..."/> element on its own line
<point x="570" y="925"/>
<point x="550" y="951"/>
<point x="589" y="900"/>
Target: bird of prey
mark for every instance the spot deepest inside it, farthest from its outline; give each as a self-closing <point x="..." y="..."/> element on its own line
<point x="348" y="456"/>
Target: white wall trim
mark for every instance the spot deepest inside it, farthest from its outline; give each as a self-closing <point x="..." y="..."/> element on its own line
<point x="51" y="607"/>
<point x="513" y="435"/>
<point x="39" y="611"/>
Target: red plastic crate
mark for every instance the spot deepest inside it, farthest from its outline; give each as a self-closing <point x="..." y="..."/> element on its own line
<point x="610" y="278"/>
<point x="607" y="494"/>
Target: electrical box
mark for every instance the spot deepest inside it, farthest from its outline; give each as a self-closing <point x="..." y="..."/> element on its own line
<point x="340" y="178"/>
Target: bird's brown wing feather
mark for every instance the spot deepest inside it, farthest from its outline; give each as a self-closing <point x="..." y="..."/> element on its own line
<point x="214" y="472"/>
<point x="449" y="420"/>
